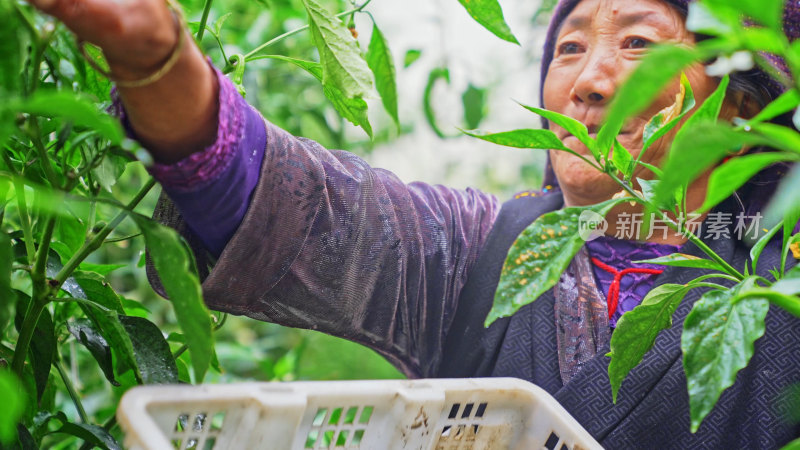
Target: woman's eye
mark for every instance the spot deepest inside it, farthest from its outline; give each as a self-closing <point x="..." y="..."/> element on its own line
<point x="569" y="48"/>
<point x="636" y="43"/>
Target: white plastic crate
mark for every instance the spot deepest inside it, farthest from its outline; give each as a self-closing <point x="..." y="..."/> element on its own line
<point x="431" y="414"/>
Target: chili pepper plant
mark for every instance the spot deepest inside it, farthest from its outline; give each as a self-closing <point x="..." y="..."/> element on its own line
<point x="720" y="331"/>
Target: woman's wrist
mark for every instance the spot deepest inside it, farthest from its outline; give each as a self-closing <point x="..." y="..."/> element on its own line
<point x="158" y="54"/>
<point x="176" y="115"/>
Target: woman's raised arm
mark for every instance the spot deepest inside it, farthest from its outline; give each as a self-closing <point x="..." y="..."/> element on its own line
<point x="174" y="116"/>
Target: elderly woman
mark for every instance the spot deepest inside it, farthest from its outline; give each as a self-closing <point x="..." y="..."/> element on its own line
<point x="313" y="238"/>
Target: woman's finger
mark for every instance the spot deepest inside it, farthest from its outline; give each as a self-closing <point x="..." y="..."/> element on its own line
<point x="132" y="33"/>
<point x="91" y="20"/>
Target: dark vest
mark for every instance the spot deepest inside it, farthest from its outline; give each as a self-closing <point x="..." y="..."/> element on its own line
<point x="652" y="410"/>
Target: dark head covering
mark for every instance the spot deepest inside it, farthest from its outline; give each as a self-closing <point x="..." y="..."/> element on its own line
<point x="791" y="26"/>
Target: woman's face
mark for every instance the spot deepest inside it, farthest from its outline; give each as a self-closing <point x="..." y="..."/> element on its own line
<point x="598" y="45"/>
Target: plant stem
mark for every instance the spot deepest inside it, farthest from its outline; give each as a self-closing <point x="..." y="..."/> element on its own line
<point x="715" y="275"/>
<point x="203" y="21"/>
<point x="123" y="238"/>
<point x="40" y="267"/>
<point x="36" y="63"/>
<point x="111" y="423"/>
<point x="7" y="160"/>
<point x="790" y="303"/>
<point x="298" y="30"/>
<point x="180" y="351"/>
<point x="98" y="239"/>
<point x="32" y="315"/>
<point x="24" y="219"/>
<point x="35" y="135"/>
<point x="682" y="229"/>
<point x="709" y="285"/>
<point x="73" y="394"/>
<point x="39" y="300"/>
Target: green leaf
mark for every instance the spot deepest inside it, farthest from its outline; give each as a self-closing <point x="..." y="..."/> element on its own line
<point x="11" y="48"/>
<point x="655" y="128"/>
<point x="153" y="357"/>
<point x="109" y="170"/>
<point x="794" y="445"/>
<point x="92" y="434"/>
<point x="108" y="323"/>
<point x="779" y="137"/>
<point x="72" y="232"/>
<point x="709" y="110"/>
<point x="353" y="109"/>
<point x="220" y="22"/>
<point x="622" y="159"/>
<point x="637" y="330"/>
<point x="655" y="170"/>
<point x="173" y="261"/>
<point x="6" y="292"/>
<point x="380" y="61"/>
<point x="790" y="284"/>
<point x="100" y="269"/>
<point x="539" y="256"/>
<point x="659" y="66"/>
<point x="755" y="252"/>
<point x="489" y="14"/>
<point x="684" y="260"/>
<point x="790" y="221"/>
<point x="729" y="177"/>
<point x="69" y="106"/>
<point x="474" y="101"/>
<point x="411" y="57"/>
<point x="11" y="391"/>
<point x="717" y="342"/>
<point x="767" y="12"/>
<point x="686" y="162"/>
<point x="439" y="73"/>
<point x="524" y="138"/>
<point x="97" y="290"/>
<point x="94" y="342"/>
<point x="787" y="101"/>
<point x="785" y="198"/>
<point x="649" y="188"/>
<point x="569" y="124"/>
<point x="43" y="344"/>
<point x="343" y="67"/>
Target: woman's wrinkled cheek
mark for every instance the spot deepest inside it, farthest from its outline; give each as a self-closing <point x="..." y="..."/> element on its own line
<point x="582" y="181"/>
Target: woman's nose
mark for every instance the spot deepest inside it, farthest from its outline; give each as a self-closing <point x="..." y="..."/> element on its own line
<point x="597" y="80"/>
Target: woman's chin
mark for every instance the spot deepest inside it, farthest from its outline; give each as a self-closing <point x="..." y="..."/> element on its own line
<point x="586" y="187"/>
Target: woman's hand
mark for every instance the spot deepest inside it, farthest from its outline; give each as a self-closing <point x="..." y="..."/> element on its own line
<point x="173" y="116"/>
<point x="136" y="36"/>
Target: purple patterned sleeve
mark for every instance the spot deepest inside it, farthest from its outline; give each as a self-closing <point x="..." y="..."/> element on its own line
<point x="212" y="188"/>
<point x="331" y="244"/>
<point x="324" y="241"/>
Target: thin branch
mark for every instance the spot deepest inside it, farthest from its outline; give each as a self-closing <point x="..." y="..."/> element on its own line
<point x="73" y="394"/>
<point x="98" y="239"/>
<point x="204" y="20"/>
<point x="298" y="30"/>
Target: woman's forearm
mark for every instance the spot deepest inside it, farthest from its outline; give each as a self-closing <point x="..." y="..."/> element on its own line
<point x="176" y="115"/>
